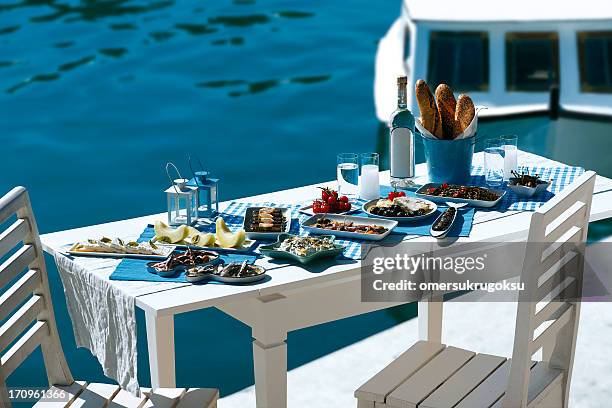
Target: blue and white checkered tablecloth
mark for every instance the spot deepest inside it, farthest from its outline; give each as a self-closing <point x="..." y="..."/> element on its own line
<point x="561" y="176"/>
<point x="234" y="217"/>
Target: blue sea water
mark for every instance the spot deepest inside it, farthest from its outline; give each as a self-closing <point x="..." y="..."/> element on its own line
<point x="96" y="96"/>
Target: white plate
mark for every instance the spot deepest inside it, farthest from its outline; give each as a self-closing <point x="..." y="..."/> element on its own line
<point x="286" y="212"/>
<point x="229" y="279"/>
<point x="308" y="225"/>
<point x="366" y="207"/>
<point x="471" y="203"/>
<point x="168" y="249"/>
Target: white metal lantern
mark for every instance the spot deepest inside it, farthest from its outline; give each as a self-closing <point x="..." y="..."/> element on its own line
<point x="182" y="200"/>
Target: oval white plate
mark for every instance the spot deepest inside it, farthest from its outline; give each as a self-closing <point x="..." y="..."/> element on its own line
<point x="370" y="203"/>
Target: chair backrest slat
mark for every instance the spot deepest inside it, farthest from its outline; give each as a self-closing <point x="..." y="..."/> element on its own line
<point x="12" y="202"/>
<point x="26" y="304"/>
<point x="13" y="235"/>
<point x="551" y="311"/>
<point x="550" y="333"/>
<point x="554" y="283"/>
<point x="24" y="347"/>
<point x="16" y="264"/>
<point x="20" y="321"/>
<point x="552" y="275"/>
<point x="577" y="214"/>
<point x="17" y="293"/>
<point x="561" y="253"/>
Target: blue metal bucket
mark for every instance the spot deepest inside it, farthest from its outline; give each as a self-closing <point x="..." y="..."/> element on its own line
<point x="449" y="161"/>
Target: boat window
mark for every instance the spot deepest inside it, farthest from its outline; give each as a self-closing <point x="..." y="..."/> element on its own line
<point x="532" y="61"/>
<point x="406" y="42"/>
<point x="459" y="59"/>
<point x="595" y="53"/>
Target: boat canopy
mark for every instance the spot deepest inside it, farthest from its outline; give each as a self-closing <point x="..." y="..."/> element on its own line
<point x="515" y="10"/>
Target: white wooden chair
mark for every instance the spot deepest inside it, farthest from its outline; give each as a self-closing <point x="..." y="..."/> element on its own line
<point x="27" y="312"/>
<point x="432" y="375"/>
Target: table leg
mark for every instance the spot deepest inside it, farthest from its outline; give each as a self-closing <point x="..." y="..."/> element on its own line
<point x="430" y="319"/>
<point x="160" y="340"/>
<point x="270" y="364"/>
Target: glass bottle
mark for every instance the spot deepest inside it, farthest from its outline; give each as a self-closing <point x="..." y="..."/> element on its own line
<point x="401" y="144"/>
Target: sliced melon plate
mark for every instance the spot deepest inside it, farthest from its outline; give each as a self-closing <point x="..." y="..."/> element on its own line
<point x="190" y="236"/>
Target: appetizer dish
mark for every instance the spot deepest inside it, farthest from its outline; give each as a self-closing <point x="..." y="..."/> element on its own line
<point x="472" y="195"/>
<point x="266" y="222"/>
<point x="265" y="219"/>
<point x="185" y="235"/>
<point x="443" y="223"/>
<point x="400" y="208"/>
<point x="523" y="184"/>
<point x="179" y="261"/>
<point x="302" y="249"/>
<point x="349" y="226"/>
<point x="467" y="192"/>
<point x="329" y="203"/>
<point x="119" y="248"/>
<point x="233" y="273"/>
<point x="304" y="246"/>
<point x="444" y="116"/>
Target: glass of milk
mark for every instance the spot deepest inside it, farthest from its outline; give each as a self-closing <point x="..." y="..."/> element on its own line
<point x="369" y="187"/>
<point x="509" y="143"/>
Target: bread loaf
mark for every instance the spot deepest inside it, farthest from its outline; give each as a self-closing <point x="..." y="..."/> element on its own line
<point x="446" y="105"/>
<point x="464" y="114"/>
<point x="430" y="116"/>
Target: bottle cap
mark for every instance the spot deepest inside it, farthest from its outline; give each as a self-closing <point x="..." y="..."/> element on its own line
<point x="403" y="80"/>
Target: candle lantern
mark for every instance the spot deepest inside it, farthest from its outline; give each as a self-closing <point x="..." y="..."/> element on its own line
<point x="182" y="200"/>
<point x="208" y="194"/>
<point x="208" y="191"/>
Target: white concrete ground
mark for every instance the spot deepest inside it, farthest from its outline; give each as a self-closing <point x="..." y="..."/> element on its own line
<point x="484" y="326"/>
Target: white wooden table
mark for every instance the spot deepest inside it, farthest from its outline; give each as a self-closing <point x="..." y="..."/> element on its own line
<point x="294" y="297"/>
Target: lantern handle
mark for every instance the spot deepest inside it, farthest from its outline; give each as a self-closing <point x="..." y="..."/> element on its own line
<point x="168" y="165"/>
<point x="192" y="170"/>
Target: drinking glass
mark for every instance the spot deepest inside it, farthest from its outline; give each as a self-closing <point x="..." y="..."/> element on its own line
<point x="510" y="145"/>
<point x="347" y="173"/>
<point x="369" y="188"/>
<point x="494" y="163"/>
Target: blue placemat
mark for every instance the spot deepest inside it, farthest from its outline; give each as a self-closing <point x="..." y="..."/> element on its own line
<point x="136" y="269"/>
<point x="561" y="177"/>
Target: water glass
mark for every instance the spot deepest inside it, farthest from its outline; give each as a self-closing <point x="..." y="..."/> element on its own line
<point x="510" y="145"/>
<point x="494" y="163"/>
<point x="347" y="173"/>
<point x="369" y="187"/>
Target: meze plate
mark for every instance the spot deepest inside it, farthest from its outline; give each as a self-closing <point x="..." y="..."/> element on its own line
<point x="310" y="226"/>
<point x="274" y="251"/>
<point x="251" y="212"/>
<point x="422" y="193"/>
<point x="166" y="249"/>
<point x="368" y="206"/>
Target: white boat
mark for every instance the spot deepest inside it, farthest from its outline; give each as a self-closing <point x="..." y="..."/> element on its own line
<point x="506" y="55"/>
